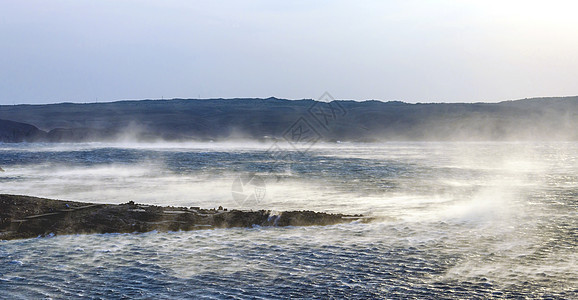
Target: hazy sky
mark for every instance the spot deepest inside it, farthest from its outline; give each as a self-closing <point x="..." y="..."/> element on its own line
<point x="414" y="51"/>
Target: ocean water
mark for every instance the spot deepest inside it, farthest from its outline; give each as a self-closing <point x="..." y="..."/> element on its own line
<point x="452" y="220"/>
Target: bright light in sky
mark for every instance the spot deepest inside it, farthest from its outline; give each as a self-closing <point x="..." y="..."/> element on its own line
<point x="415" y="51"/>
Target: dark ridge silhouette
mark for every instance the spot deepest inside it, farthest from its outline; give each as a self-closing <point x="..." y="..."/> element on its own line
<point x="259" y="119"/>
<point x="16" y="132"/>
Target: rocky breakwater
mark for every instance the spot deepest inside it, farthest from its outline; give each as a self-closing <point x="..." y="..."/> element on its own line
<point x="29" y="217"/>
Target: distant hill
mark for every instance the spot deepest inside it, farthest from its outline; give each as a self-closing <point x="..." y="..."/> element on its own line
<point x="16" y="132"/>
<point x="272" y="118"/>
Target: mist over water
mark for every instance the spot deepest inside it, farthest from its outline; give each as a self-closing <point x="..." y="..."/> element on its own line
<point x="452" y="219"/>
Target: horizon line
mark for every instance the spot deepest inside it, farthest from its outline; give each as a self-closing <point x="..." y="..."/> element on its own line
<point x="287" y="99"/>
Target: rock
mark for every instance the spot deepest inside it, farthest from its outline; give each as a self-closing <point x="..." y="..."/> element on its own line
<point x="28" y="217"/>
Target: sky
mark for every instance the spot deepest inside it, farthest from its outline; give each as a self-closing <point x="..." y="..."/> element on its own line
<point x="413" y="51"/>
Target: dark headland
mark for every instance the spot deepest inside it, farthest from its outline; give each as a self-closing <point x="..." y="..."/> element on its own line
<point x="28" y="217"/>
<point x="258" y="119"/>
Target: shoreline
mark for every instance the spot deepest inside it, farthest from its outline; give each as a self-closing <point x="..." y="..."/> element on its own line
<point x="23" y="217"/>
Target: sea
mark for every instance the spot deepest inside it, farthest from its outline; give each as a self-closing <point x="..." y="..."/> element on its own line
<point x="449" y="220"/>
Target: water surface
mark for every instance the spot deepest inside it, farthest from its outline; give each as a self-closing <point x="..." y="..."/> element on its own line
<point x="454" y="220"/>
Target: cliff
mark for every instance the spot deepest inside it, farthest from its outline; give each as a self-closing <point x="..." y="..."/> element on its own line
<point x="258" y="119"/>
